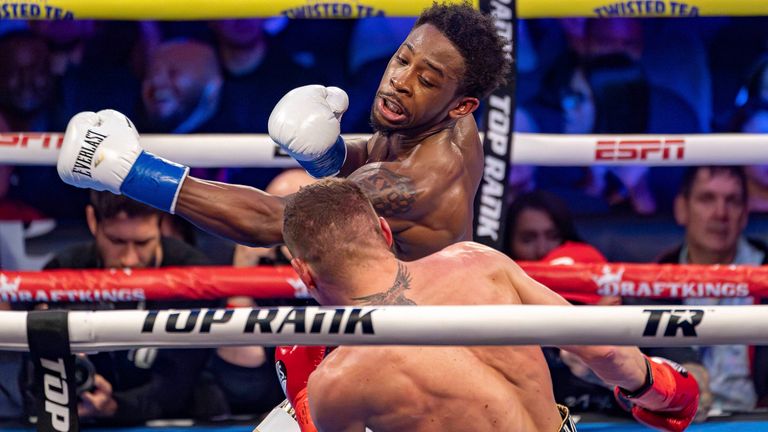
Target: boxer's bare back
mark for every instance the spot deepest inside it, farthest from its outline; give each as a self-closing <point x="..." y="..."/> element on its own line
<point x="442" y="388"/>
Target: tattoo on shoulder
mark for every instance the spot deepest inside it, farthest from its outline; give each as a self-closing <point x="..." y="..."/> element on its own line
<point x="394" y="295"/>
<point x="390" y="193"/>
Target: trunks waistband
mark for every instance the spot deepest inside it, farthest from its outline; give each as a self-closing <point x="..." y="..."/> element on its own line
<point x="567" y="425"/>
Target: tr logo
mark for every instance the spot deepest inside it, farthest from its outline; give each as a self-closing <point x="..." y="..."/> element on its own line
<point x="684" y="319"/>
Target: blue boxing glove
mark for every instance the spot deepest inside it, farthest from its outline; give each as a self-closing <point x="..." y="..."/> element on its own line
<point x="101" y="151"/>
<point x="306" y="124"/>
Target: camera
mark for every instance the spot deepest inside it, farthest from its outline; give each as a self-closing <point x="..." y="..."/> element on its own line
<point x="85" y="372"/>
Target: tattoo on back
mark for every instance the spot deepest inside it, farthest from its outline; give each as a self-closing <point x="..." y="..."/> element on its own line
<point x="390" y="193"/>
<point x="394" y="295"/>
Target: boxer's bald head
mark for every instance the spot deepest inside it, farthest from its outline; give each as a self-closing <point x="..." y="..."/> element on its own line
<point x="331" y="225"/>
<point x="289" y="182"/>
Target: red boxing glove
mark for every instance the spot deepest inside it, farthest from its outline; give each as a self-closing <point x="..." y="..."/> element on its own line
<point x="294" y="366"/>
<point x="667" y="401"/>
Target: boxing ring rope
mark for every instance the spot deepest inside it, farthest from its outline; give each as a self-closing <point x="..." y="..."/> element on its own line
<point x="399" y="325"/>
<point x="580" y="282"/>
<point x="404" y="325"/>
<point x="203" y="9"/>
<point x="257" y="150"/>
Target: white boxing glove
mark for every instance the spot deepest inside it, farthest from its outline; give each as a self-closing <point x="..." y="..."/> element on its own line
<point x="306" y="124"/>
<point x="101" y="151"/>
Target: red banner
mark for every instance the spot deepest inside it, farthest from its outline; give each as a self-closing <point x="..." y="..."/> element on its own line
<point x="579" y="282"/>
<point x="150" y="284"/>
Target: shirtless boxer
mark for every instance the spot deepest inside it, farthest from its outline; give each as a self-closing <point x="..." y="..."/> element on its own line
<point x="421" y="167"/>
<point x="342" y="252"/>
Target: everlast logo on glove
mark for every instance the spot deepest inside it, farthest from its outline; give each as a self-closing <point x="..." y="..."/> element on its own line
<point x="84" y="159"/>
<point x="684" y="319"/>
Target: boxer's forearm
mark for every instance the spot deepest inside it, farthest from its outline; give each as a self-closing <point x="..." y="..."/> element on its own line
<point x="621" y="366"/>
<point x="242" y="214"/>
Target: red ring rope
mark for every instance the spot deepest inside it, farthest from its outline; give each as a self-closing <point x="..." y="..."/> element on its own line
<point x="578" y="282"/>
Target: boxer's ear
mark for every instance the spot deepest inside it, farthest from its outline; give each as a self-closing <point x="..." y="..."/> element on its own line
<point x="305" y="274"/>
<point x="386" y="231"/>
<point x="464" y="107"/>
<point x="90" y="217"/>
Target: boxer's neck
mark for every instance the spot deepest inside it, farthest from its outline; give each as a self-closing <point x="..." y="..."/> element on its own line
<point x="406" y="140"/>
<point x="368" y="282"/>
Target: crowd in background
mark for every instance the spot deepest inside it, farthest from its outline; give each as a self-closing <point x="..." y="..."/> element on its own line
<point x="575" y="76"/>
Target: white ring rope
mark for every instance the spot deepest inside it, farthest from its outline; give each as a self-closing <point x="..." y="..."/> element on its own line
<point x="406" y="325"/>
<point x="244" y="150"/>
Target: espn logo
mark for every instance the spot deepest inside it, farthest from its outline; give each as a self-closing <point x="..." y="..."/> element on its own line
<point x="640" y="150"/>
<point x="45" y="140"/>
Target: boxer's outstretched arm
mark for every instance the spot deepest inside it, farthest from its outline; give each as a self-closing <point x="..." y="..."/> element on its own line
<point x="622" y="366"/>
<point x="240" y="213"/>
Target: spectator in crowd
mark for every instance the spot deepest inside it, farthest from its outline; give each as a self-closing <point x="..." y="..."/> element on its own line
<point x="181" y="93"/>
<point x="26" y="82"/>
<point x="181" y="89"/>
<point x="752" y="118"/>
<point x="671" y="54"/>
<point x="27" y="87"/>
<point x="67" y="41"/>
<point x="538" y="222"/>
<point x="257" y="71"/>
<point x="84" y="49"/>
<point x="712" y="207"/>
<point x="143" y="383"/>
<point x="606" y="95"/>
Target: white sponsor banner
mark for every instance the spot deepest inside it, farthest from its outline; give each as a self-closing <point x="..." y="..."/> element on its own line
<point x="241" y="150"/>
<point x="406" y="325"/>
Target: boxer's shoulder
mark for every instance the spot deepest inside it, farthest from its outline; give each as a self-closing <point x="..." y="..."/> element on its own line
<point x="469" y="250"/>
